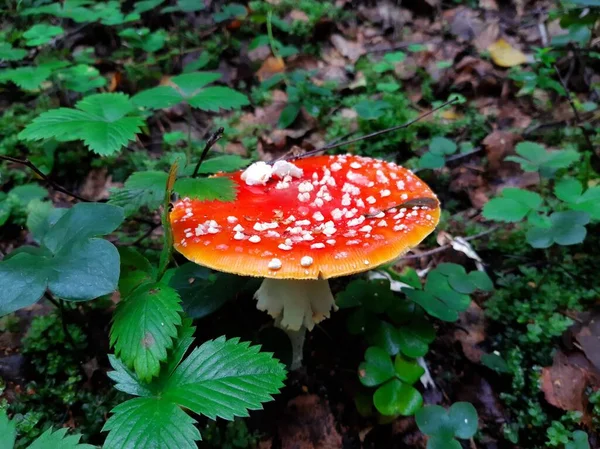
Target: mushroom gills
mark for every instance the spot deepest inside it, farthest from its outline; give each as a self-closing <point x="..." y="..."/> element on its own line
<point x="296" y="305"/>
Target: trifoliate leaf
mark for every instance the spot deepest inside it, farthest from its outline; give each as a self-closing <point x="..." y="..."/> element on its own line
<point x="534" y="157"/>
<point x="513" y="206"/>
<point x="71" y="262"/>
<point x="397" y="398"/>
<point x="442" y="146"/>
<point x="371" y="109"/>
<point x="206" y="189"/>
<point x="51" y="439"/>
<point x="570" y="191"/>
<point x="225" y="163"/>
<point x="150" y="423"/>
<point x="191" y="87"/>
<point x="9" y="53"/>
<point x="408" y="371"/>
<point x="433" y="420"/>
<point x="218" y="97"/>
<point x="144" y="326"/>
<point x="224" y="378"/>
<point x="7" y="430"/>
<point x="100" y="120"/>
<point x="463" y="418"/>
<point x="142" y="189"/>
<point x="41" y="34"/>
<point x="27" y="78"/>
<point x="377" y="367"/>
<point x="566" y="228"/>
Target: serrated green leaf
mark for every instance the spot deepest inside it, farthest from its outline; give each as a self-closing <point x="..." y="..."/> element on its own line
<point x="206" y="189"/>
<point x="160" y="97"/>
<point x="189" y="84"/>
<point x="55" y="439"/>
<point x="144" y="327"/>
<point x="224" y="378"/>
<point x="101" y="121"/>
<point x="126" y="380"/>
<point x="150" y="423"/>
<point x="377" y="367"/>
<point x="41" y="34"/>
<point x="225" y="163"/>
<point x="9" y="53"/>
<point x="7" y="430"/>
<point x="397" y="398"/>
<point x="218" y="97"/>
<point x="27" y="78"/>
<point x="142" y="189"/>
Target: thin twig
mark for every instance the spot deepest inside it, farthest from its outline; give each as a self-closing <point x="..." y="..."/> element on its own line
<point x="588" y="140"/>
<point x="144" y="236"/>
<point x="37" y="171"/>
<point x="448" y="246"/>
<point x="212" y="139"/>
<point x="374" y="134"/>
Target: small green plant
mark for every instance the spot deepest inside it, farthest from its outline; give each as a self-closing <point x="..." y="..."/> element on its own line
<point x="50" y="438"/>
<point x="443" y="426"/>
<point x="395" y="394"/>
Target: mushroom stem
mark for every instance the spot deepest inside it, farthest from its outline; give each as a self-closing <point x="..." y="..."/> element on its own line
<point x="296" y="305"/>
<point x="297" y="341"/>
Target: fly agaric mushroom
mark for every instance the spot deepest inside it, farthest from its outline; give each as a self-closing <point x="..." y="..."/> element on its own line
<point x="297" y="225"/>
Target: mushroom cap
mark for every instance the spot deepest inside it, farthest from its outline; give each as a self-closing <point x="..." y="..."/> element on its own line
<point x="337" y="218"/>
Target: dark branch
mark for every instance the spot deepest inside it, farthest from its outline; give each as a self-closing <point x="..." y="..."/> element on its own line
<point x="37" y="171"/>
<point x="374" y="134"/>
<point x="586" y="135"/>
<point x="212" y="139"/>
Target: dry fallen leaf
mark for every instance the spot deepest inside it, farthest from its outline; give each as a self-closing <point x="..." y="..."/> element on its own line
<point x="504" y="55"/>
<point x="349" y="49"/>
<point x="270" y="67"/>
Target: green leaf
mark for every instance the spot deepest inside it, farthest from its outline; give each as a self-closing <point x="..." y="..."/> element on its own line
<point x="566" y="228"/>
<point x="443" y="443"/>
<point x="206" y="189"/>
<point x="54" y="439"/>
<point x="144" y="326"/>
<point x="26" y="193"/>
<point x="433" y="420"/>
<point x="135" y="270"/>
<point x="495" y="362"/>
<point x="431" y="161"/>
<point x="415" y="337"/>
<point x="218" y="97"/>
<point x="7" y="430"/>
<point x="288" y="115"/>
<point x="72" y="262"/>
<point x="408" y="371"/>
<point x="142" y="189"/>
<point x="224" y="378"/>
<point x="374" y="295"/>
<point x="41" y="34"/>
<point x="397" y="398"/>
<point x="580" y="441"/>
<point x="190" y="87"/>
<point x="8" y="53"/>
<point x="371" y="110"/>
<point x="385" y="336"/>
<point x="570" y="191"/>
<point x="150" y="423"/>
<point x="225" y="163"/>
<point x="432" y="305"/>
<point x="202" y="293"/>
<point x="481" y="280"/>
<point x="534" y="157"/>
<point x="463" y="418"/>
<point x="377" y="367"/>
<point x="513" y="207"/>
<point x="100" y="120"/>
<point x="126" y="380"/>
<point x="442" y="146"/>
<point x="27" y="78"/>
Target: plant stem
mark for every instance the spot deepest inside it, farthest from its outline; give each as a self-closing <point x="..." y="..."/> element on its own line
<point x="58" y="303"/>
<point x="212" y="139"/>
<point x="37" y="171"/>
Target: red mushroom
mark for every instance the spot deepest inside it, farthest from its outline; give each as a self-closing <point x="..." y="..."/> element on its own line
<point x="298" y="225"/>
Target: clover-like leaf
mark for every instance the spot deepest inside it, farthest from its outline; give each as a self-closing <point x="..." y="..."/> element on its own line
<point x="7" y="430"/>
<point x="564" y="228"/>
<point x="144" y="327"/>
<point x="397" y="398"/>
<point x="571" y="191"/>
<point x="513" y="206"/>
<point x="104" y="122"/>
<point x="377" y="367"/>
<point x="72" y="262"/>
<point x="41" y="34"/>
<point x="534" y="157"/>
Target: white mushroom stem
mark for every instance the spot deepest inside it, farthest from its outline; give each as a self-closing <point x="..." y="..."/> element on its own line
<point x="296" y="305"/>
